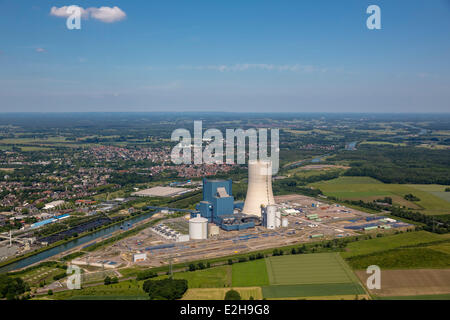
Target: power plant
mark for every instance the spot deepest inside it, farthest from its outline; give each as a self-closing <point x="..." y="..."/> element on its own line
<point x="219" y="208"/>
<point x="259" y="190"/>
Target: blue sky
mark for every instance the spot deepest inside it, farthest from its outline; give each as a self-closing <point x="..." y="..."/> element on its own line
<point x="280" y="56"/>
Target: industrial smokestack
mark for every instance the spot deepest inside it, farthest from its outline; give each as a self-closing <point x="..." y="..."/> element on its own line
<point x="259" y="190"/>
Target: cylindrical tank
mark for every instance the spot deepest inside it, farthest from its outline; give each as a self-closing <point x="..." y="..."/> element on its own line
<point x="213" y="230"/>
<point x="277" y="219"/>
<point x="198" y="228"/>
<point x="259" y="190"/>
<point x="284" y="223"/>
<point x="270" y="212"/>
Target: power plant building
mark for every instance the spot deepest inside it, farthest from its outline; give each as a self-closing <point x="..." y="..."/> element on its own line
<point x="259" y="190"/>
<point x="218" y="206"/>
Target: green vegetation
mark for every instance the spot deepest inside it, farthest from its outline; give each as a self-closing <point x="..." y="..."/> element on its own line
<point x="217" y="277"/>
<point x="391" y="242"/>
<point x="397" y="164"/>
<point x="122" y="290"/>
<point x="311" y="290"/>
<point x="146" y="274"/>
<point x="250" y="274"/>
<point x="166" y="289"/>
<point x="110" y="280"/>
<point x="408" y="258"/>
<point x="11" y="287"/>
<point x="411" y="197"/>
<point x="368" y="189"/>
<point x="232" y="295"/>
<point x="72" y="256"/>
<point x="308" y="269"/>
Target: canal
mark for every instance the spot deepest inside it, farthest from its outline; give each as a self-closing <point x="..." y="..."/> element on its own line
<point x="72" y="244"/>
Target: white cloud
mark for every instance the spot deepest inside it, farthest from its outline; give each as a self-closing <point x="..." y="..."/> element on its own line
<point x="63" y="12"/>
<point x="40" y="50"/>
<point x="104" y="14"/>
<point x="107" y="14"/>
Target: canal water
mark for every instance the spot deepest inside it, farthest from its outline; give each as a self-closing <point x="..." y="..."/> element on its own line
<point x="72" y="244"/>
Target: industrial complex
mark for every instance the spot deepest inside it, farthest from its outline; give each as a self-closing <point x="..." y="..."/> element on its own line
<point x="221" y="226"/>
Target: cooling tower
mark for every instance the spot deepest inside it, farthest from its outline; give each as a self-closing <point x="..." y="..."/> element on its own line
<point x="259" y="190"/>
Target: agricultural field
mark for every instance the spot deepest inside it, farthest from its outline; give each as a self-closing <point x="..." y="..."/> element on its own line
<point x="433" y="199"/>
<point x="219" y="293"/>
<point x="413" y="283"/>
<point x="310" y="275"/>
<point x="308" y="269"/>
<point x="217" y="277"/>
<point x="249" y="274"/>
<point x="417" y="297"/>
<point x="391" y="242"/>
<point x="312" y="290"/>
<point x="407" y="258"/>
<point x="122" y="290"/>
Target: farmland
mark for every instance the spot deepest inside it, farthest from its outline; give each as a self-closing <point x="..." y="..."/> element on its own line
<point x="310" y="275"/>
<point x="311" y="290"/>
<point x="217" y="277"/>
<point x="408" y="258"/>
<point x="411" y="282"/>
<point x="248" y="274"/>
<point x="122" y="290"/>
<point x="391" y="242"/>
<point x="433" y="199"/>
<point x="219" y="293"/>
<point x="308" y="269"/>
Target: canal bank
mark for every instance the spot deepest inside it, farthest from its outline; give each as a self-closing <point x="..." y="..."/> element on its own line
<point x="39" y="256"/>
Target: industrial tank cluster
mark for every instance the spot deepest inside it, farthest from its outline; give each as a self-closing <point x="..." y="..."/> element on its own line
<point x="218" y="208"/>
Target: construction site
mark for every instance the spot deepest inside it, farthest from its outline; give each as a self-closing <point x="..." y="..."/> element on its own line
<point x="303" y="219"/>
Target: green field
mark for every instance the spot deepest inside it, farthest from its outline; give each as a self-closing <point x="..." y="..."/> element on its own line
<point x="409" y="258"/>
<point x="310" y="275"/>
<point x="433" y="199"/>
<point x="122" y="290"/>
<point x="250" y="274"/>
<point x="391" y="242"/>
<point x="308" y="269"/>
<point x="311" y="290"/>
<point x="217" y="277"/>
<point x="42" y="274"/>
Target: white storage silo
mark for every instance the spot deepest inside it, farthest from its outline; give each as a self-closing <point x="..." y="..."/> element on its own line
<point x="277" y="219"/>
<point x="259" y="190"/>
<point x="269" y="215"/>
<point x="284" y="222"/>
<point x="198" y="228"/>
